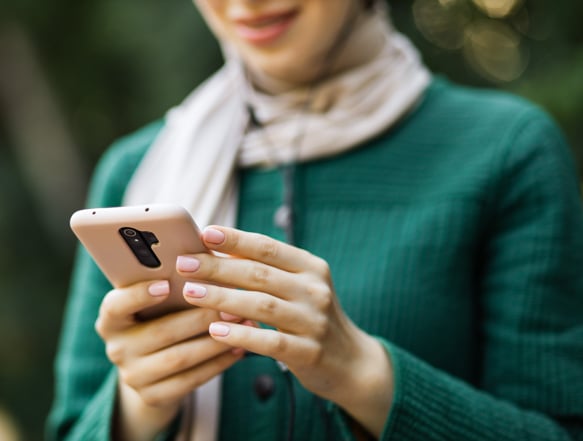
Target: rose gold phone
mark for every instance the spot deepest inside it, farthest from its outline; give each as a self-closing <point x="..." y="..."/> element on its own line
<point x="140" y="243"/>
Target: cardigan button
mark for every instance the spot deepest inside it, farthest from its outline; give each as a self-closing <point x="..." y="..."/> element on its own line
<point x="283" y="217"/>
<point x="264" y="386"/>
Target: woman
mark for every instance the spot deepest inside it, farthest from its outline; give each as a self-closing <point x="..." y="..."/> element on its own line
<point x="448" y="218"/>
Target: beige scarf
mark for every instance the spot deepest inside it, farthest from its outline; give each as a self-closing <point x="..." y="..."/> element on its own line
<point x="204" y="140"/>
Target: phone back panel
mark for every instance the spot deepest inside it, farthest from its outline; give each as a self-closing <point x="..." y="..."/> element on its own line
<point x="176" y="232"/>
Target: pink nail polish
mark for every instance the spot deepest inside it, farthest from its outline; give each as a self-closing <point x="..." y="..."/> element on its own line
<point x="238" y="351"/>
<point x="219" y="330"/>
<point x="187" y="264"/>
<point x="229" y="317"/>
<point x="159" y="288"/>
<point x="214" y="236"/>
<point x="194" y="290"/>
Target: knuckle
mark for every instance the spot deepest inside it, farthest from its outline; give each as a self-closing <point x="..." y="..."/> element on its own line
<point x="208" y="267"/>
<point x="115" y="352"/>
<point x="100" y="327"/>
<point x="128" y="378"/>
<point x="313" y="355"/>
<point x="278" y="343"/>
<point x="321" y="267"/>
<point x="232" y="240"/>
<point x="267" y="306"/>
<point x="320" y="327"/>
<point x="108" y="310"/>
<point x="260" y="275"/>
<point x="220" y="300"/>
<point x="321" y="295"/>
<point x="267" y="248"/>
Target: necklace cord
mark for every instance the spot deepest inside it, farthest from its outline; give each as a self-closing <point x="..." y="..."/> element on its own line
<point x="287" y="211"/>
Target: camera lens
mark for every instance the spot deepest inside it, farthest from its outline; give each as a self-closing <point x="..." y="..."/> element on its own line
<point x="129" y="232"/>
<point x="140" y="246"/>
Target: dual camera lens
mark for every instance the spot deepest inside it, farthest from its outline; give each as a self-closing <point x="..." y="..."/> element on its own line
<point x="140" y="243"/>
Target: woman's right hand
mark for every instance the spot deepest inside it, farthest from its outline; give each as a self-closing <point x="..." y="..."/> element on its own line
<point x="159" y="361"/>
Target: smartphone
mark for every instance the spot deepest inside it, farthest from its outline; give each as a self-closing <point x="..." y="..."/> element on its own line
<point x="139" y="243"/>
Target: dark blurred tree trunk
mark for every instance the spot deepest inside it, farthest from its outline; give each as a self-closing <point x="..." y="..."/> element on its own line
<point x="42" y="143"/>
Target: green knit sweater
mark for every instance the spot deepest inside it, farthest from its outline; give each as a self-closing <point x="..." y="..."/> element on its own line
<point x="456" y="238"/>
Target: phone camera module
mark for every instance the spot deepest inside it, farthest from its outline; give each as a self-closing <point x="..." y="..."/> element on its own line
<point x="140" y="243"/>
<point x="129" y="232"/>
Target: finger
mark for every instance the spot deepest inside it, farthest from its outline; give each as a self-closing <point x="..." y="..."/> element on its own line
<point x="119" y="306"/>
<point x="165" y="331"/>
<point x="243" y="274"/>
<point x="253" y="305"/>
<point x="251" y="323"/>
<point x="230" y="317"/>
<point x="174" y="388"/>
<point x="290" y="349"/>
<point x="260" y="248"/>
<point x="172" y="360"/>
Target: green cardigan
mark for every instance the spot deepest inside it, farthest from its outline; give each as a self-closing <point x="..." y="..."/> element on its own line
<point x="456" y="238"/>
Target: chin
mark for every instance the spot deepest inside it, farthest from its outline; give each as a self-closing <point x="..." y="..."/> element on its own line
<point x="286" y="67"/>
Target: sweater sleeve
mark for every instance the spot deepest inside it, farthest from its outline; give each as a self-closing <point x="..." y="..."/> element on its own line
<point x="531" y="312"/>
<point x="85" y="381"/>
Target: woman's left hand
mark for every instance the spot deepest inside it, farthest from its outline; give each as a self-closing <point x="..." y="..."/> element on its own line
<point x="291" y="290"/>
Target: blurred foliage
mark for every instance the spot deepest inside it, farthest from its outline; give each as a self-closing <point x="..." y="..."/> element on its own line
<point x="114" y="65"/>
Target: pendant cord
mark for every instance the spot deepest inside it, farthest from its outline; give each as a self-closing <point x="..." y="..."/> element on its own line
<point x="289" y="181"/>
<point x="285" y="215"/>
<point x="288" y="173"/>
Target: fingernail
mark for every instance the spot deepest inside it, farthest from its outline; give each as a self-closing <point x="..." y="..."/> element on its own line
<point x="187" y="264"/>
<point x="219" y="329"/>
<point x="214" y="236"/>
<point x="159" y="288"/>
<point x="238" y="351"/>
<point x="194" y="290"/>
<point x="229" y="317"/>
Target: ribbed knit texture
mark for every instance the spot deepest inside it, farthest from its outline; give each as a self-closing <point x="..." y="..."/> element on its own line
<point x="456" y="239"/>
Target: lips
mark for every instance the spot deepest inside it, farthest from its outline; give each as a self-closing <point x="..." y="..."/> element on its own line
<point x="266" y="28"/>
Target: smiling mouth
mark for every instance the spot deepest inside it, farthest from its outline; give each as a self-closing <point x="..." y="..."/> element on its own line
<point x="264" y="29"/>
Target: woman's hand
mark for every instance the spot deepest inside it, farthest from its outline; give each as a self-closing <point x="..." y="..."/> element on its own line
<point x="159" y="361"/>
<point x="290" y="289"/>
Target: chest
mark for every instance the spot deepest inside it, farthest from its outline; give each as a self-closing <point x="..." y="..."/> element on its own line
<point x="404" y="256"/>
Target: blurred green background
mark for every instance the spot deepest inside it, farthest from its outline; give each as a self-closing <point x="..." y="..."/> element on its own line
<point x="76" y="75"/>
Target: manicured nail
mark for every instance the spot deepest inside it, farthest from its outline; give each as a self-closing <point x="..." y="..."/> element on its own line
<point x="214" y="236"/>
<point x="194" y="290"/>
<point x="219" y="330"/>
<point x="238" y="351"/>
<point x="159" y="288"/>
<point x="229" y="317"/>
<point x="187" y="264"/>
